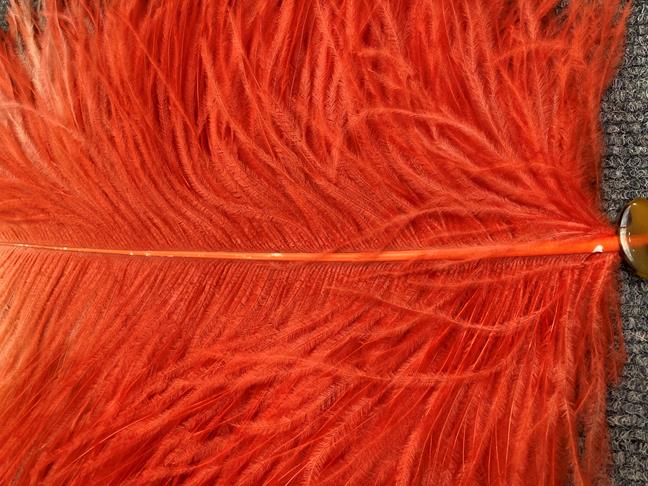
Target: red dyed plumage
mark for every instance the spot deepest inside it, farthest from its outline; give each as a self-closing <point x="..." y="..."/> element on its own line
<point x="303" y="127"/>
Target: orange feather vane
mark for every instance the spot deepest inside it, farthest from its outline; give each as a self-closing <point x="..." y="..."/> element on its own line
<point x="376" y="250"/>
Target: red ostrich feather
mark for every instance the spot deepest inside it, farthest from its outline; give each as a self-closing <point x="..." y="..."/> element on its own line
<point x="467" y="129"/>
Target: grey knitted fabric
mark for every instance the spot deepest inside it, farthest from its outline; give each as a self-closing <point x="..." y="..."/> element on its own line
<point x="4" y="6"/>
<point x="625" y="176"/>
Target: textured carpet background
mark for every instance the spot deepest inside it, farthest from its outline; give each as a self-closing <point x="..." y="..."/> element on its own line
<point x="625" y="176"/>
